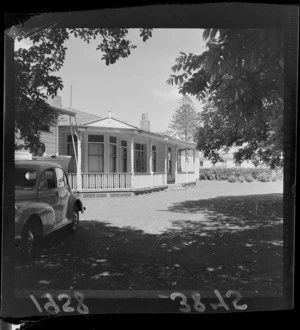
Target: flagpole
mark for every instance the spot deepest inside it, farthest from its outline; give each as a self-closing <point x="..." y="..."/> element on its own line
<point x="71" y="98"/>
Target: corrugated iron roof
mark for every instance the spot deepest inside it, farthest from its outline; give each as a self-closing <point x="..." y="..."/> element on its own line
<point x="81" y="117"/>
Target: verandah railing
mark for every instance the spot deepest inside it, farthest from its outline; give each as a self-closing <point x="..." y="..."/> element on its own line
<point x="117" y="181"/>
<point x="101" y="181"/>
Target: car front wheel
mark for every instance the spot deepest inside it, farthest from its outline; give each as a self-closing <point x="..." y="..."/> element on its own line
<point x="75" y="219"/>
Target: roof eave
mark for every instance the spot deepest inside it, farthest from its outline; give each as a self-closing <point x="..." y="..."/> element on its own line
<point x="63" y="111"/>
<point x="136" y="131"/>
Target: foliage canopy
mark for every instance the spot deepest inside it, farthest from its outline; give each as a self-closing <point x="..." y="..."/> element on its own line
<point x="185" y="119"/>
<point x="240" y="79"/>
<point x="35" y="68"/>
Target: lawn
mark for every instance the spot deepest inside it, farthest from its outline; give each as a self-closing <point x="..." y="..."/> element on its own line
<point x="225" y="239"/>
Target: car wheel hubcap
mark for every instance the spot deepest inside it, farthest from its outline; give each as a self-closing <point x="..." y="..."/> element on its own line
<point x="75" y="219"/>
<point x="30" y="241"/>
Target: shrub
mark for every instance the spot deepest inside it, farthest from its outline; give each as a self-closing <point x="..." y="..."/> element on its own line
<point x="202" y="176"/>
<point x="264" y="177"/>
<point x="280" y="175"/>
<point x="256" y="172"/>
<point x="274" y="177"/>
<point x="221" y="173"/>
<point x="249" y="178"/>
<point x="240" y="178"/>
<point x="277" y="175"/>
<point x="231" y="178"/>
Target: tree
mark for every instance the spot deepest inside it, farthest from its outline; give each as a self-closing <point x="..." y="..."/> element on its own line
<point x="35" y="68"/>
<point x="240" y="77"/>
<point x="185" y="119"/>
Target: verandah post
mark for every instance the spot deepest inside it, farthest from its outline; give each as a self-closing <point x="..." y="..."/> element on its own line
<point x="166" y="163"/>
<point x="79" y="177"/>
<point x="150" y="163"/>
<point x="176" y="163"/>
<point x="132" y="161"/>
<point x="186" y="165"/>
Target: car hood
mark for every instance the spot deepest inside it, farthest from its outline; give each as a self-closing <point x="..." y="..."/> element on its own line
<point x="25" y="195"/>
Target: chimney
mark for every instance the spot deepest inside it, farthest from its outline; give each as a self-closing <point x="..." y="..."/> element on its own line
<point x="57" y="101"/>
<point x="145" y="122"/>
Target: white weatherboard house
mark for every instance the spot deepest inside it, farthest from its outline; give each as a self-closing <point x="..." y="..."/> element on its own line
<point x="48" y="135"/>
<point x="113" y="156"/>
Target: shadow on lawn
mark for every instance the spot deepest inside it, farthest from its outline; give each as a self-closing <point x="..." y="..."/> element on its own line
<point x="232" y="213"/>
<point x="233" y="241"/>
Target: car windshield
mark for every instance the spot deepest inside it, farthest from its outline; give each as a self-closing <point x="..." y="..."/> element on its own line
<point x="25" y="178"/>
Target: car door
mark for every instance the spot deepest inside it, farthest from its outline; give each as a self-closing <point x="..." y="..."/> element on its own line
<point x="48" y="193"/>
<point x="64" y="191"/>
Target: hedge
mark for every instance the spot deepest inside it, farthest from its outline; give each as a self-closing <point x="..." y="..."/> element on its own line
<point x="248" y="174"/>
<point x="232" y="178"/>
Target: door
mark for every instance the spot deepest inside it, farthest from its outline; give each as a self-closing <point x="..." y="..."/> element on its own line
<point x="48" y="193"/>
<point x="63" y="190"/>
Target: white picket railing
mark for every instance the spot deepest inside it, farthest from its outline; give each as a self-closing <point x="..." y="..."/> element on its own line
<point x="117" y="181"/>
<point x="72" y="178"/>
<point x="106" y="181"/>
<point x="102" y="181"/>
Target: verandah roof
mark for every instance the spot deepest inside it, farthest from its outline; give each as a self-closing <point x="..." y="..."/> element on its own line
<point x="137" y="132"/>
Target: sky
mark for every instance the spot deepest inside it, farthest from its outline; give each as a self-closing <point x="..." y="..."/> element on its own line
<point x="131" y="86"/>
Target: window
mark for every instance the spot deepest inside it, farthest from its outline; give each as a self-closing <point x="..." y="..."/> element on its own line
<point x="124" y="156"/>
<point x="96" y="138"/>
<point x="224" y="163"/>
<point x="25" y="178"/>
<point x="140" y="157"/>
<point x="237" y="164"/>
<point x="47" y="180"/>
<point x="112" y="154"/>
<point x="153" y="158"/>
<point x="169" y="160"/>
<point x="96" y="153"/>
<point x="60" y="178"/>
<point x="112" y="139"/>
<point x="70" y="152"/>
<point x="201" y="163"/>
<point x="44" y="127"/>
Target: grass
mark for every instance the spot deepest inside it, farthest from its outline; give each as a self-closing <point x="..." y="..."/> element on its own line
<point x="223" y="242"/>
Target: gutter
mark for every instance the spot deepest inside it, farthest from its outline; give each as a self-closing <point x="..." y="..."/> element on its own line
<point x="160" y="137"/>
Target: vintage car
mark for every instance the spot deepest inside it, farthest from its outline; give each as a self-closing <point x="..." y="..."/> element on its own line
<point x="44" y="202"/>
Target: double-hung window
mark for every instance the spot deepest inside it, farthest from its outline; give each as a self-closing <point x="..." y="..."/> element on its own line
<point x="153" y="158"/>
<point x="124" y="156"/>
<point x="140" y="157"/>
<point x="112" y="154"/>
<point x="96" y="153"/>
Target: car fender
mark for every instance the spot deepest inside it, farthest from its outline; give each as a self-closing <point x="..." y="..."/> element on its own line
<point x="72" y="201"/>
<point x="43" y="211"/>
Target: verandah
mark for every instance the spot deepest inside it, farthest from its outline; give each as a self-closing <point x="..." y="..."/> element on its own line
<point x="132" y="164"/>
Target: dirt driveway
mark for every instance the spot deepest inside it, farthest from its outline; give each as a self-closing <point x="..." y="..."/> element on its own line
<point x="216" y="235"/>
